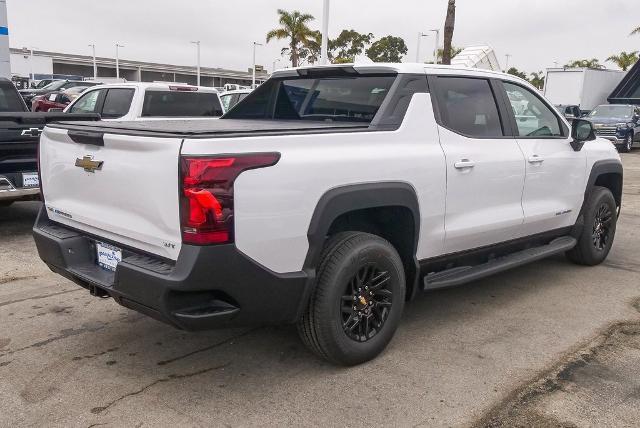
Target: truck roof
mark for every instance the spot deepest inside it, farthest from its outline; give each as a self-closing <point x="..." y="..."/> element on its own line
<point x="405" y="68"/>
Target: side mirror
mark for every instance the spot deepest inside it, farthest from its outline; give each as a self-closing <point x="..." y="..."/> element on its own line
<point x="581" y="132"/>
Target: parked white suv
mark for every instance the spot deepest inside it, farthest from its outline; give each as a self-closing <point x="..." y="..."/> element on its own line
<point x="144" y="101"/>
<point x="328" y="198"/>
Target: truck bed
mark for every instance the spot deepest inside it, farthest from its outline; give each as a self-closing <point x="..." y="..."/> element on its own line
<point x="213" y="128"/>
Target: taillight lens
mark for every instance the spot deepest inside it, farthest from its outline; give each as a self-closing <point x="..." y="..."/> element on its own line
<point x="207" y="194"/>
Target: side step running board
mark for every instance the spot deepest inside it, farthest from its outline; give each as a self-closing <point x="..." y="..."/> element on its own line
<point x="463" y="274"/>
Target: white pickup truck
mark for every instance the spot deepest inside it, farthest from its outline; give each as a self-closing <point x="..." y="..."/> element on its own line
<point x="148" y="101"/>
<point x="329" y="197"/>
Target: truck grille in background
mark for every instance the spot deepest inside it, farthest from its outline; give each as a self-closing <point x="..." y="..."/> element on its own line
<point x="609" y="132"/>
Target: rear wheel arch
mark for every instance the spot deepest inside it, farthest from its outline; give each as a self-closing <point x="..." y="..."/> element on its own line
<point x="388" y="209"/>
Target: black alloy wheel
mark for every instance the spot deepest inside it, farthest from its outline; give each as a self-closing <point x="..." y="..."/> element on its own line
<point x="366" y="303"/>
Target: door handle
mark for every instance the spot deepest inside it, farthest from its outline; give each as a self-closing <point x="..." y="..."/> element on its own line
<point x="536" y="159"/>
<point x="464" y="163"/>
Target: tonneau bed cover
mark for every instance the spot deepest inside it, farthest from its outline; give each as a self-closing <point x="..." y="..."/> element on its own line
<point x="214" y="127"/>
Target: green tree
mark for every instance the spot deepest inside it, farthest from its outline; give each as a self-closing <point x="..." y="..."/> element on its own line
<point x="515" y="72"/>
<point x="449" y="25"/>
<point x="537" y="79"/>
<point x="387" y="49"/>
<point x="294" y="27"/>
<point x="348" y="45"/>
<point x="624" y="60"/>
<point x="585" y="63"/>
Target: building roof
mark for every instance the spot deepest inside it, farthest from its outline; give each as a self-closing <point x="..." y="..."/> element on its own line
<point x="65" y="58"/>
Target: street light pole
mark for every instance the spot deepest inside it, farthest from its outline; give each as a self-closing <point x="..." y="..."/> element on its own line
<point x="253" y="81"/>
<point x="324" y="48"/>
<point x="118" y="60"/>
<point x="435" y="49"/>
<point x="506" y="65"/>
<point x="95" y="66"/>
<point x="420" y="36"/>
<point x="197" y="43"/>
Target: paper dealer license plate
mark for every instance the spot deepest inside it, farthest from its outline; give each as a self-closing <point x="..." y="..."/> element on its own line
<point x="108" y="256"/>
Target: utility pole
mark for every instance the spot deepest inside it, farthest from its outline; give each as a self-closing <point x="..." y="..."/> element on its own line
<point x="506" y="65"/>
<point x="95" y="66"/>
<point x="118" y="60"/>
<point x="197" y="43"/>
<point x="420" y="36"/>
<point x="324" y="47"/>
<point x="435" y="49"/>
<point x="253" y="80"/>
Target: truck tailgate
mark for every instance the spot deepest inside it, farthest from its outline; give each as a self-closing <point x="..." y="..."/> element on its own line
<point x="130" y="198"/>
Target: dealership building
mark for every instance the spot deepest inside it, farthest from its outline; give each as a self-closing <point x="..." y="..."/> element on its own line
<point x="43" y="64"/>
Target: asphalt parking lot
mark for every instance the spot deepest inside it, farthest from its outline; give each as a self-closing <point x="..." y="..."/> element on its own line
<point x="549" y="344"/>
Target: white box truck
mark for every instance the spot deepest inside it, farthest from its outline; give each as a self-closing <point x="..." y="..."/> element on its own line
<point x="584" y="87"/>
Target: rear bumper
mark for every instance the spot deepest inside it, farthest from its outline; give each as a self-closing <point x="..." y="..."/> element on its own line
<point x="9" y="192"/>
<point x="207" y="287"/>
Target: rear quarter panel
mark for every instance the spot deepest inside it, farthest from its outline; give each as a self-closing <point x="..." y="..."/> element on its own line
<point x="274" y="206"/>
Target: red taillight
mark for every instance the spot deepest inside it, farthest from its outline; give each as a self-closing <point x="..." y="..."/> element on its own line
<point x="207" y="194"/>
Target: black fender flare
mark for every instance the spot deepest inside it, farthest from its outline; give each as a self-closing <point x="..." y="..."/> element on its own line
<point x="604" y="166"/>
<point x="344" y="199"/>
<point x="601" y="167"/>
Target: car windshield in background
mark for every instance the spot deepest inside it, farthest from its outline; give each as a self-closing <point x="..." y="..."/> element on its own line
<point x="10" y="101"/>
<point x="54" y="86"/>
<point x="612" y="111"/>
<point x="181" y="104"/>
<point x="354" y="99"/>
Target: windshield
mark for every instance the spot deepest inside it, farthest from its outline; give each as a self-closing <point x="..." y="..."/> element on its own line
<point x="181" y="104"/>
<point x="353" y="99"/>
<point x="612" y="111"/>
<point x="54" y="86"/>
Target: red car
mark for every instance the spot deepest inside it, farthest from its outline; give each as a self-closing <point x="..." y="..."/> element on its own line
<point x="57" y="100"/>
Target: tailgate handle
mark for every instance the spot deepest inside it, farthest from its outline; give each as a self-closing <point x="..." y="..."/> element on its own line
<point x="87" y="137"/>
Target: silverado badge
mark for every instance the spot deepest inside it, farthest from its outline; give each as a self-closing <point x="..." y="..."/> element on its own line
<point x="88" y="164"/>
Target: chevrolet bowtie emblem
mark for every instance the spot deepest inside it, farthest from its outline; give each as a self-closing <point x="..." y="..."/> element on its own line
<point x="88" y="164"/>
<point x="31" y="132"/>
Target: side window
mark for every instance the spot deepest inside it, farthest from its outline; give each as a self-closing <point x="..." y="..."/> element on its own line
<point x="117" y="103"/>
<point x="468" y="106"/>
<point x="226" y="101"/>
<point x="533" y="117"/>
<point x="86" y="103"/>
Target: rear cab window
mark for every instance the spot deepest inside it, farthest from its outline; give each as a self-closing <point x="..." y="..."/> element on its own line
<point x="10" y="99"/>
<point x="180" y="103"/>
<point x="468" y="106"/>
<point x="332" y="98"/>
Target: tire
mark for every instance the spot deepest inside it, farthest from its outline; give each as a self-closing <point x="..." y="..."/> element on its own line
<point x="600" y="217"/>
<point x="627" y="144"/>
<point x="359" y="296"/>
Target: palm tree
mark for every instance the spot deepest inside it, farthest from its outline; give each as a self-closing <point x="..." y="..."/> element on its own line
<point x="585" y="63"/>
<point x="293" y="26"/>
<point x="449" y="24"/>
<point x="636" y="31"/>
<point x="625" y="59"/>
